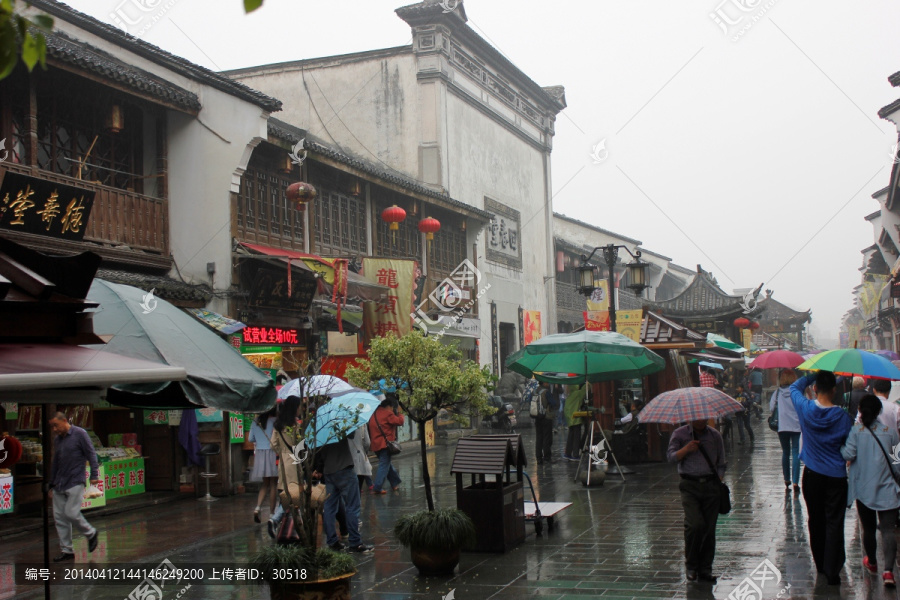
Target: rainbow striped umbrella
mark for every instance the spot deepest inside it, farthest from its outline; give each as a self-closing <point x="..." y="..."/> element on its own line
<point x="688" y="404"/>
<point x="850" y="361"/>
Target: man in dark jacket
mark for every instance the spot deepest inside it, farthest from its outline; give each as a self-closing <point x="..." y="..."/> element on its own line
<point x="543" y="425"/>
<point x="336" y="462"/>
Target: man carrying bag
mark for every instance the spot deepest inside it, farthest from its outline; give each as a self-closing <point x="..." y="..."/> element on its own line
<point x="700" y="453"/>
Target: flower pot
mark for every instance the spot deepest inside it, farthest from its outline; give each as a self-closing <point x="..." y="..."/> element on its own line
<point x="337" y="588"/>
<point x="435" y="562"/>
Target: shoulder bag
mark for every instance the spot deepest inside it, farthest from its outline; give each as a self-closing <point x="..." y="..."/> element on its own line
<point x="883" y="451"/>
<point x="287" y="530"/>
<point x="724" y="491"/>
<point x="392" y="446"/>
<point x="773" y="418"/>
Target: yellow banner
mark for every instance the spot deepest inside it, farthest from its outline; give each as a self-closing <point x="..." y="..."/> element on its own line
<point x="854" y="335"/>
<point x="599" y="300"/>
<point x="870" y="295"/>
<point x="391" y="314"/>
<point x="746" y="338"/>
<point x="628" y="323"/>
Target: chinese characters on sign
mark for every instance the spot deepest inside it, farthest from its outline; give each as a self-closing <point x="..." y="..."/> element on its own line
<point x="628" y="322"/>
<point x="269" y="335"/>
<point x="532" y="325"/>
<point x="391" y="314"/>
<point x="124" y="477"/>
<point x="270" y="290"/>
<point x="503" y="236"/>
<point x="46" y="208"/>
<point x="6" y="495"/>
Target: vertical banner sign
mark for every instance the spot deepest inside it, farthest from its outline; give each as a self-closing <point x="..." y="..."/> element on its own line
<point x="429" y="433"/>
<point x="522" y="341"/>
<point x="392" y="313"/>
<point x="532" y="326"/>
<point x="495" y="342"/>
<point x="599" y="299"/>
<point x="100" y="500"/>
<point x="6" y="495"/>
<point x="596" y="320"/>
<point x="629" y="323"/>
<point x="236" y="428"/>
<point x="746" y="338"/>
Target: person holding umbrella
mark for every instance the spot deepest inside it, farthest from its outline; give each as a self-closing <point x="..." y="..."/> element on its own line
<point x="696" y="447"/>
<point x="788" y="429"/>
<point x="824" y="427"/>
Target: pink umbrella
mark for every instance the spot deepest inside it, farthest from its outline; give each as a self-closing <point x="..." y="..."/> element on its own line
<point x="776" y="359"/>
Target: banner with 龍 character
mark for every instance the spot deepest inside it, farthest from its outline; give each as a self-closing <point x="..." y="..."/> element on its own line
<point x="390" y="314"/>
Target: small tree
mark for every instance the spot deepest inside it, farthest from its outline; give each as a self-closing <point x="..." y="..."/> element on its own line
<point x="429" y="376"/>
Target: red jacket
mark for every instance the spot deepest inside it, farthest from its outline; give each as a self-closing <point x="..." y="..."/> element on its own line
<point x="389" y="423"/>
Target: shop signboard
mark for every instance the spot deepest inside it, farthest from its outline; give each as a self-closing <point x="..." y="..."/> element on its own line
<point x="6" y="495"/>
<point x="124" y="478"/>
<point x="87" y="503"/>
<point x="341" y="344"/>
<point x="12" y="410"/>
<point x="156" y="417"/>
<point x="236" y="427"/>
<point x="208" y="415"/>
<point x="271" y="335"/>
<point x="270" y="290"/>
<point x="46" y="208"/>
<point x="629" y="323"/>
<point x="174" y="418"/>
<point x="531" y="325"/>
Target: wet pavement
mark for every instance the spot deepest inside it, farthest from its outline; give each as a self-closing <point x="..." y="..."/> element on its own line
<point x="621" y="540"/>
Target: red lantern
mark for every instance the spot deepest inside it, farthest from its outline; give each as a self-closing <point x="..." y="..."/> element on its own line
<point x="10" y="451"/>
<point x="429" y="226"/>
<point x="394" y="215"/>
<point x="754" y="325"/>
<point x="300" y="193"/>
<point x="742" y="323"/>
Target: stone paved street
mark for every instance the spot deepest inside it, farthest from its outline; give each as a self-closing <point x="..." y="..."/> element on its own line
<point x="616" y="541"/>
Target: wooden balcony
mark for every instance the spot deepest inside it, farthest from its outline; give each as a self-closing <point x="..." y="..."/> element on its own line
<point x="118" y="217"/>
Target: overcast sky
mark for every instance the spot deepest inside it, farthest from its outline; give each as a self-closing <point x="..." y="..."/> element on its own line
<point x="753" y="152"/>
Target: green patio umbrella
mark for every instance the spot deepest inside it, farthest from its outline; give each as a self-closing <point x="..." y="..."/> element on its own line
<point x="572" y="358"/>
<point x="723" y="342"/>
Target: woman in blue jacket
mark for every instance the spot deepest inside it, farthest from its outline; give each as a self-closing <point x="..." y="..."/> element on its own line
<point x="873" y="486"/>
<point x="824" y="427"/>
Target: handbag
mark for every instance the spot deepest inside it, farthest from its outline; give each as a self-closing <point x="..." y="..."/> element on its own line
<point x="773" y="419"/>
<point x="392" y="446"/>
<point x="724" y="491"/>
<point x="883" y="451"/>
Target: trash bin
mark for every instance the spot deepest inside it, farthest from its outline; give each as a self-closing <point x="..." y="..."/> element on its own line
<point x="493" y="499"/>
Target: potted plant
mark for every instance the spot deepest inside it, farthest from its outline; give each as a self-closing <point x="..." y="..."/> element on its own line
<point x="429" y="377"/>
<point x="296" y="567"/>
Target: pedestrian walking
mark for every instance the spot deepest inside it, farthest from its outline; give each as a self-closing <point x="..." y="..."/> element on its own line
<point x="707" y="379"/>
<point x="285" y="435"/>
<point x="72" y="448"/>
<point x="743" y="416"/>
<point x="851" y="400"/>
<point x="890" y="413"/>
<point x="700" y="453"/>
<point x="543" y="423"/>
<point x="788" y="429"/>
<point x="383" y="429"/>
<point x="360" y="444"/>
<point x="824" y="427"/>
<point x="574" y="400"/>
<point x="264" y="470"/>
<point x="873" y="484"/>
<point x="559" y="392"/>
<point x="335" y="463"/>
<point x="756" y="381"/>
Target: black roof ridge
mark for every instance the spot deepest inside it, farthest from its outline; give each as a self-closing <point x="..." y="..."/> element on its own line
<point x="156" y="54"/>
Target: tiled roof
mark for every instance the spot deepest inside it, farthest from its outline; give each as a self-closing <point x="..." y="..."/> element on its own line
<point x="702" y="298"/>
<point x="625" y="238"/>
<point x="292" y="135"/>
<point x="777" y="310"/>
<point x="895" y="79"/>
<point x="890" y="109"/>
<point x="152" y="53"/>
<point x="883" y="190"/>
<point x="88" y="58"/>
<point x="165" y="287"/>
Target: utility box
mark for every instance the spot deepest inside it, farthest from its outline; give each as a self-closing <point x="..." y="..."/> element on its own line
<point x="493" y="498"/>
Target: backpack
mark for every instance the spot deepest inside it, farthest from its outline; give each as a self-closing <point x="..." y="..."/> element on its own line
<point x="538" y="408"/>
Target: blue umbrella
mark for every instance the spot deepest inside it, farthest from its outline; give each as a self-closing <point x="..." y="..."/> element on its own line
<point x="711" y="365"/>
<point x="340" y="417"/>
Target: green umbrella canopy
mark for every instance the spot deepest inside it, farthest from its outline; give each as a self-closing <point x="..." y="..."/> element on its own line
<point x="571" y="358"/>
<point x="723" y="342"/>
<point x="217" y="375"/>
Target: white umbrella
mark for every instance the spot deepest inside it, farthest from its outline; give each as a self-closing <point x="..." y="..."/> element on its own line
<point x="317" y="385"/>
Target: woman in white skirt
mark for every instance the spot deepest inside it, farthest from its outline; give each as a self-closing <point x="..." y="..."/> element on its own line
<point x="264" y="469"/>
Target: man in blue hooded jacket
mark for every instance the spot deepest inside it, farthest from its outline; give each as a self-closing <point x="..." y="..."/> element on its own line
<point x="825" y="427"/>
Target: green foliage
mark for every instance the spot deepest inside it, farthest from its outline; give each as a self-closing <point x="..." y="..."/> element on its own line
<point x="326" y="562"/>
<point x="18" y="32"/>
<point x="251" y="5"/>
<point x="436" y="529"/>
<point x="435" y="375"/>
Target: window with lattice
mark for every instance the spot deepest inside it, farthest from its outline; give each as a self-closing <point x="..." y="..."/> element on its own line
<point x="74" y="138"/>
<point x="406" y="242"/>
<point x="340" y="224"/>
<point x="264" y="210"/>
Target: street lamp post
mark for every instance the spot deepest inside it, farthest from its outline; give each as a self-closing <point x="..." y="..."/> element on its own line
<point x="637" y="275"/>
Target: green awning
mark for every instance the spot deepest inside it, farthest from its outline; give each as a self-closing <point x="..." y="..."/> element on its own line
<point x="723" y="342"/>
